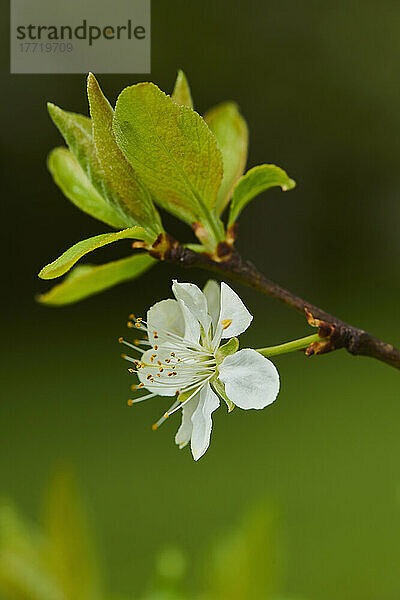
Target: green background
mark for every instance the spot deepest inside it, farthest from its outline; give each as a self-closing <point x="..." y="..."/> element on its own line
<point x="319" y="86"/>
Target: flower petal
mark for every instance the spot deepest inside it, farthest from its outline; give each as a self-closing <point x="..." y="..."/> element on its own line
<point x="194" y="300"/>
<point x="184" y="432"/>
<point x="202" y="423"/>
<point x="162" y="317"/>
<point x="251" y="380"/>
<point x="192" y="326"/>
<point x="212" y="292"/>
<point x="233" y="310"/>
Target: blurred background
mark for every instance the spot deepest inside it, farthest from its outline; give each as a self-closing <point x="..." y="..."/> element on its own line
<point x="319" y="84"/>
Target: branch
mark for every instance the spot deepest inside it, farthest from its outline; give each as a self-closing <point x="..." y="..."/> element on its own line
<point x="341" y="334"/>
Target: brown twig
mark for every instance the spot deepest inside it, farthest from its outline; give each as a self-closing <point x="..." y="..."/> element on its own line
<point x="341" y="334"/>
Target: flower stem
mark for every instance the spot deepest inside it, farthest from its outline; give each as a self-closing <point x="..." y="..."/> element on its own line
<point x="290" y="346"/>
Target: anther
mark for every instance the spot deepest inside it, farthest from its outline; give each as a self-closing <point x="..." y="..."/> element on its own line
<point x="156" y="347"/>
<point x="129" y="324"/>
<point x="132" y="316"/>
<point x="130" y="402"/>
<point x="120" y="339"/>
<point x="154" y="426"/>
<point x="148" y="377"/>
<point x="141" y="385"/>
<point x="134" y="386"/>
<point x="123" y="355"/>
<point x="131" y="371"/>
<point x="137" y="325"/>
<point x="225" y="323"/>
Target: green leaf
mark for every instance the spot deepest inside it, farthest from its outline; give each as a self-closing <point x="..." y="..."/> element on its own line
<point x="67" y="260"/>
<point x="87" y="280"/>
<point x="75" y="185"/>
<point x="181" y="94"/>
<point x="118" y="173"/>
<point x="254" y="182"/>
<point x="77" y="132"/>
<point x="244" y="564"/>
<point x="230" y="129"/>
<point x="71" y="551"/>
<point x="173" y="152"/>
<point x="23" y="571"/>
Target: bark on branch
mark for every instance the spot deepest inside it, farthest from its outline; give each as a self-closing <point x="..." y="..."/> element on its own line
<point x="341" y="334"/>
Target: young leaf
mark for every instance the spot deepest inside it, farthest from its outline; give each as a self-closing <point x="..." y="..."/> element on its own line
<point x="87" y="280"/>
<point x="230" y="129"/>
<point x="71" y="550"/>
<point x="67" y="260"/>
<point x="23" y="571"/>
<point x="181" y="94"/>
<point x="75" y="185"/>
<point x="252" y="550"/>
<point x="173" y="152"/>
<point x="118" y="173"/>
<point x="77" y="132"/>
<point x="254" y="182"/>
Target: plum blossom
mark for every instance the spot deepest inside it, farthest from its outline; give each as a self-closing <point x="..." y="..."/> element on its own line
<point x="187" y="359"/>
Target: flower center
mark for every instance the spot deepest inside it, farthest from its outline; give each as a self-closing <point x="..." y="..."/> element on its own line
<point x="174" y="366"/>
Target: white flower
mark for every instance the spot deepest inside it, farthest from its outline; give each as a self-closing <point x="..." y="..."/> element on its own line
<point x="186" y="359"/>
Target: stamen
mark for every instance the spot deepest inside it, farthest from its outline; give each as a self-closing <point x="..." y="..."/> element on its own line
<point x="182" y="404"/>
<point x="144" y="342"/>
<point x="140" y="399"/>
<point x="130" y="359"/>
<point x="157" y="424"/>
<point x="122" y="341"/>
